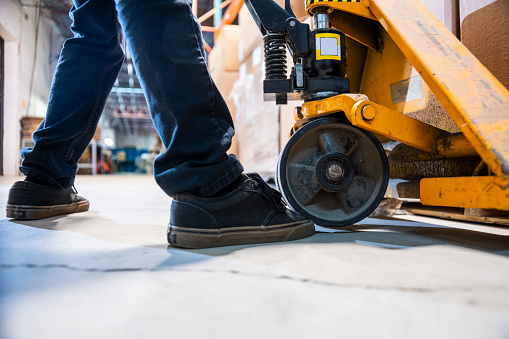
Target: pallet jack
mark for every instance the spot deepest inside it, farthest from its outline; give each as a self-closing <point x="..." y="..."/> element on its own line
<point x="408" y="79"/>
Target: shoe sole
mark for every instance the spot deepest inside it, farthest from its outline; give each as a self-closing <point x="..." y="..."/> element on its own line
<point x="204" y="238"/>
<point x="24" y="212"/>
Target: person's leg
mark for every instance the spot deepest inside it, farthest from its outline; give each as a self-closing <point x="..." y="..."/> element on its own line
<point x="188" y="111"/>
<point x="88" y="66"/>
<point x="195" y="125"/>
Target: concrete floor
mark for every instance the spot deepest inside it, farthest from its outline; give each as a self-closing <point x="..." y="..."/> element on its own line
<point x="108" y="273"/>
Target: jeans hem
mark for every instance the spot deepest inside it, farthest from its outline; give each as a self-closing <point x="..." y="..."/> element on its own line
<point x="223" y="181"/>
<point x="32" y="172"/>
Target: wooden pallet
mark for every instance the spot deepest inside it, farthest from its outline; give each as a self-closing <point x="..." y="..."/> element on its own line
<point x="462" y="214"/>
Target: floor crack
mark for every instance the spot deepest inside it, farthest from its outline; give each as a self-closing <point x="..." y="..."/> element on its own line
<point x="81" y="269"/>
<point x="258" y="275"/>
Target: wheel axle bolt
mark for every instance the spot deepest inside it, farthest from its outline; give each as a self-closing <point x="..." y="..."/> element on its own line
<point x="368" y="112"/>
<point x="334" y="172"/>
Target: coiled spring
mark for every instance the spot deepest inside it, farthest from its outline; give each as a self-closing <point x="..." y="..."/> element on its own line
<point x="275" y="56"/>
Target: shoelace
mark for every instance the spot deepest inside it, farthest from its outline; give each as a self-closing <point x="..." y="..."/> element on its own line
<point x="275" y="196"/>
<point x="75" y="191"/>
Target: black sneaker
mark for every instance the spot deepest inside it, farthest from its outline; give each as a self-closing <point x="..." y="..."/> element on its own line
<point x="252" y="213"/>
<point x="30" y="201"/>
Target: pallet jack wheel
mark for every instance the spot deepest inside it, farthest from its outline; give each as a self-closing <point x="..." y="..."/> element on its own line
<point x="333" y="173"/>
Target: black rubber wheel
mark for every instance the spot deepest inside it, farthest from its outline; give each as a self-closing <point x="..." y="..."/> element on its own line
<point x="333" y="173"/>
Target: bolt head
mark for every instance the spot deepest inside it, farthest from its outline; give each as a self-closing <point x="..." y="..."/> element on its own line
<point x="368" y="112"/>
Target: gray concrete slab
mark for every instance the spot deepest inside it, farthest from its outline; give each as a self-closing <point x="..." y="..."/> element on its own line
<point x="108" y="273"/>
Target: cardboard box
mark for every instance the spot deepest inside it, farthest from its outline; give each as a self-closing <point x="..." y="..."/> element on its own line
<point x="286" y="122"/>
<point x="29" y="125"/>
<point x="299" y="8"/>
<point x="256" y="121"/>
<point x="255" y="60"/>
<point x="484" y="31"/>
<point x="224" y="81"/>
<point x="250" y="35"/>
<point x="224" y="55"/>
<point x="251" y="72"/>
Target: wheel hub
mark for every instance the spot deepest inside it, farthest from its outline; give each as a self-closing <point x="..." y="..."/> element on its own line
<point x="334" y="171"/>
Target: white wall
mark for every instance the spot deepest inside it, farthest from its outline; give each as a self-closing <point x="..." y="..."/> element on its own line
<point x="18" y="29"/>
<point x="447" y="11"/>
<point x="470" y="6"/>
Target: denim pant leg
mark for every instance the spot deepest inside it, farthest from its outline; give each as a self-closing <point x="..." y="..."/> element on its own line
<point x="191" y="117"/>
<point x="87" y="68"/>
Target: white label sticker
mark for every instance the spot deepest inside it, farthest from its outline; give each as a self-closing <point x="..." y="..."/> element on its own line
<point x="406" y="90"/>
<point x="329" y="46"/>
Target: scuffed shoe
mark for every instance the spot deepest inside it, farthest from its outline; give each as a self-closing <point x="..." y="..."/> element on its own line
<point x="253" y="213"/>
<point x="31" y="201"/>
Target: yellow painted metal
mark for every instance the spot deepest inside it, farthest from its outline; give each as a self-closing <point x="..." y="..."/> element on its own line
<point x="387" y="77"/>
<point x="387" y="122"/>
<point x="384" y="71"/>
<point x="417" y="46"/>
<point x="358" y="7"/>
<point x="361" y="29"/>
<point x="473" y="97"/>
<point x="467" y="192"/>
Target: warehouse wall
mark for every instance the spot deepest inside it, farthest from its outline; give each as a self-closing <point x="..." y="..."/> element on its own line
<point x="18" y="29"/>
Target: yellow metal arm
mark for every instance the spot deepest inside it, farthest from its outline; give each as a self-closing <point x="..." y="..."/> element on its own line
<point x="389" y="123"/>
<point x="473" y="97"/>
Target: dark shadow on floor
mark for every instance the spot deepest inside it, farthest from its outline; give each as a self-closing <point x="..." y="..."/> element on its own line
<point x="387" y="233"/>
<point x="397" y="237"/>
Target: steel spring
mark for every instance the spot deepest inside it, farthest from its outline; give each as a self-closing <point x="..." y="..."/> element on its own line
<point x="275" y="56"/>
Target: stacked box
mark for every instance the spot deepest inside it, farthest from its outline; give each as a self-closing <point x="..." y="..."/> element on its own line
<point x="223" y="56"/>
<point x="28" y="126"/>
<point x="250" y="36"/>
<point x="224" y="67"/>
<point x="484" y="31"/>
<point x="256" y="122"/>
<point x="262" y="126"/>
<point x="249" y="32"/>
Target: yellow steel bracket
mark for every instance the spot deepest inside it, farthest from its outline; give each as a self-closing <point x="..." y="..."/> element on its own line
<point x="358" y="7"/>
<point x="392" y="124"/>
<point x="467" y="192"/>
<point x="352" y="17"/>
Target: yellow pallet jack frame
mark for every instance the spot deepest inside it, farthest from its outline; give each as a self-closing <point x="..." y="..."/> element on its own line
<point x="476" y="101"/>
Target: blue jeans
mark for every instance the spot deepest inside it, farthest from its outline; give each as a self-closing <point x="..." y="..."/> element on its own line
<point x="189" y="114"/>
